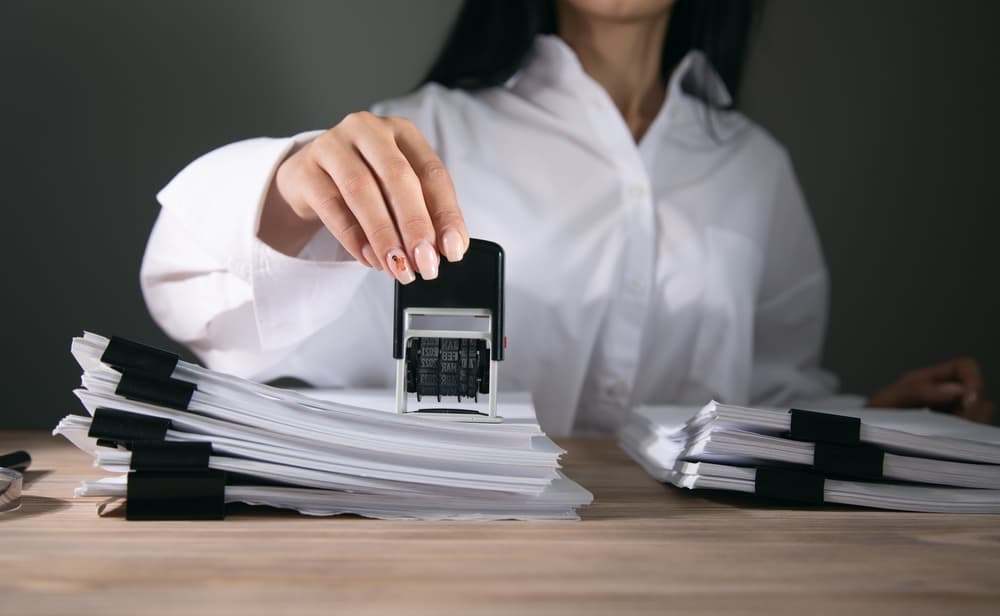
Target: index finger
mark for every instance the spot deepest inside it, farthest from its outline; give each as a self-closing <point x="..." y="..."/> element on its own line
<point x="438" y="189"/>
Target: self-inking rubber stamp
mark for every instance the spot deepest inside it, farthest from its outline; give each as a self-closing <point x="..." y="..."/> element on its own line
<point x="448" y="334"/>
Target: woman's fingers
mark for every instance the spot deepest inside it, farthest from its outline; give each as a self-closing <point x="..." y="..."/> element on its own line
<point x="969" y="374"/>
<point x="982" y="411"/>
<point x="952" y="385"/>
<point x="913" y="391"/>
<point x="379" y="188"/>
<point x="935" y="393"/>
<point x="325" y="200"/>
<point x="437" y="189"/>
<point x="963" y="370"/>
<point x="375" y="141"/>
<point x="363" y="196"/>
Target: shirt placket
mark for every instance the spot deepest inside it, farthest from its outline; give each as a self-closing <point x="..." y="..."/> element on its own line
<point x="621" y="342"/>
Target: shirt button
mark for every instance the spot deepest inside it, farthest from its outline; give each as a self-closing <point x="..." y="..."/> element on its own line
<point x="617" y="389"/>
<point x="636" y="286"/>
<point x="637" y="192"/>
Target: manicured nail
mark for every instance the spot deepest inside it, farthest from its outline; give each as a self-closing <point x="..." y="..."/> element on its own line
<point x="453" y="244"/>
<point x="369" y="255"/>
<point x="427" y="260"/>
<point x="399" y="266"/>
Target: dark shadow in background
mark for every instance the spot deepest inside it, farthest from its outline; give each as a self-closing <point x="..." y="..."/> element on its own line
<point x="887" y="108"/>
<point x="103" y="102"/>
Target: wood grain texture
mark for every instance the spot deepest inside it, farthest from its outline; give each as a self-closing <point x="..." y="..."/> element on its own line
<point x="641" y="548"/>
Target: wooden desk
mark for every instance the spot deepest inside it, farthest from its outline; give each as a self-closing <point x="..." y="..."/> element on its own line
<point x="642" y="547"/>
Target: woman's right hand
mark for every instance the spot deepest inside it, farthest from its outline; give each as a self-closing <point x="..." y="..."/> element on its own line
<point x="380" y="189"/>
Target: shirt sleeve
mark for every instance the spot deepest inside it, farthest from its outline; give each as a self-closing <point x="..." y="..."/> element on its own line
<point x="212" y="285"/>
<point x="241" y="306"/>
<point x="791" y="312"/>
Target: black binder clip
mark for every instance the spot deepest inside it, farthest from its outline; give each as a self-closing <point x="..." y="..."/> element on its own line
<point x="172" y="481"/>
<point x="792" y="484"/>
<point x="113" y="427"/>
<point x="176" y="495"/>
<point x="448" y="334"/>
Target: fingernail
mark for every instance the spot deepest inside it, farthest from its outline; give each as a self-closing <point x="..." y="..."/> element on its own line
<point x="951" y="389"/>
<point x="399" y="266"/>
<point x="453" y="244"/>
<point x="369" y="255"/>
<point x="970" y="399"/>
<point x="427" y="260"/>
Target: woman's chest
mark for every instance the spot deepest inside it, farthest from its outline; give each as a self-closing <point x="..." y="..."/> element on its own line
<point x="612" y="264"/>
<point x="581" y="229"/>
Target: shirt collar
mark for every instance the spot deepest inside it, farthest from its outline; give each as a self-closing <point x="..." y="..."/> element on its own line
<point x="554" y="80"/>
<point x="552" y="62"/>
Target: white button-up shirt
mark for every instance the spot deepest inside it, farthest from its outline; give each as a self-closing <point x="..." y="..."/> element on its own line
<point x="675" y="270"/>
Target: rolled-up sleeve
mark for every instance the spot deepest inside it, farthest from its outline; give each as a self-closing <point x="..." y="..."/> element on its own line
<point x="212" y="285"/>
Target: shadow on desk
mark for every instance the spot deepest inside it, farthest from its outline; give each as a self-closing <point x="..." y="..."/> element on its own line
<point x="35" y="506"/>
<point x="751" y="501"/>
<point x="31" y="477"/>
<point x="622" y="490"/>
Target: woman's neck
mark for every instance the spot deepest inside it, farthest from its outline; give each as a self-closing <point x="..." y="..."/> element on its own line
<point x="623" y="56"/>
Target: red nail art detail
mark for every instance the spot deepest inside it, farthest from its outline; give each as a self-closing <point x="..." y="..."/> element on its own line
<point x="399" y="263"/>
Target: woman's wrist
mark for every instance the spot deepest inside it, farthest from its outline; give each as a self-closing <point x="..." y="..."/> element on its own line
<point x="281" y="227"/>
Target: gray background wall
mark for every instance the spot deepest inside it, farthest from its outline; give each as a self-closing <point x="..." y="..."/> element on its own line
<point x="887" y="107"/>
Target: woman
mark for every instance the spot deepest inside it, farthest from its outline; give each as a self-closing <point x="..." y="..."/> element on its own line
<point x="658" y="247"/>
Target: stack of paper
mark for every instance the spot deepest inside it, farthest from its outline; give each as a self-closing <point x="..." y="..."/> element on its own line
<point x="891" y="459"/>
<point x="281" y="448"/>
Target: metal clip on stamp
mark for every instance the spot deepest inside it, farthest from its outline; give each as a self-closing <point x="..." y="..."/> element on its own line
<point x="448" y="334"/>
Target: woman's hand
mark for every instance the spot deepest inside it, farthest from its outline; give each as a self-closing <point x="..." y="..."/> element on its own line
<point x="379" y="188"/>
<point x="955" y="385"/>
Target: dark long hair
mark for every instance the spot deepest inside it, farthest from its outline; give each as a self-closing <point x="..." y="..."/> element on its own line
<point x="490" y="39"/>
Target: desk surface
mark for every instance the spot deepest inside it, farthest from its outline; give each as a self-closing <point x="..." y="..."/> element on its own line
<point x="641" y="547"/>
